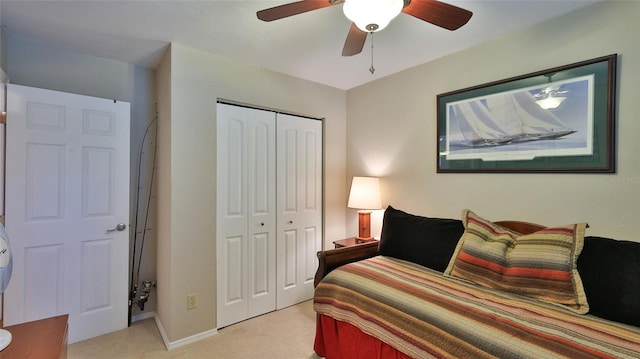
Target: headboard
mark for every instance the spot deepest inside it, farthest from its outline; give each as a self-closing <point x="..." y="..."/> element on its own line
<point x="333" y="258"/>
<point x="521" y="227"/>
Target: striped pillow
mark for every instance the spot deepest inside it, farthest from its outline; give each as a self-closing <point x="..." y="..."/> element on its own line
<point x="541" y="265"/>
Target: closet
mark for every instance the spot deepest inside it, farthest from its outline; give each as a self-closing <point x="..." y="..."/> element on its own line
<point x="269" y="210"/>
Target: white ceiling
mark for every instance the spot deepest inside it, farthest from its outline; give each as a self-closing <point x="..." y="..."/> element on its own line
<point x="307" y="46"/>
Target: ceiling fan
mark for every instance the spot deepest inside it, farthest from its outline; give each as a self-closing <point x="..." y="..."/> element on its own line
<point x="376" y="15"/>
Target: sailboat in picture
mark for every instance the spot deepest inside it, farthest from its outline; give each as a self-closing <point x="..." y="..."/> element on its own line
<point x="504" y="119"/>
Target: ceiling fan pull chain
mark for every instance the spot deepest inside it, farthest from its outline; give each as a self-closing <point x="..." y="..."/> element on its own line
<point x="372" y="69"/>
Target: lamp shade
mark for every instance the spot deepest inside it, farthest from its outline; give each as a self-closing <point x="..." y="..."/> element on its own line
<point x="372" y="12"/>
<point x="365" y="193"/>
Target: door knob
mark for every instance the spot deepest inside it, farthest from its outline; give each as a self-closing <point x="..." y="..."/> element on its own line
<point x="120" y="227"/>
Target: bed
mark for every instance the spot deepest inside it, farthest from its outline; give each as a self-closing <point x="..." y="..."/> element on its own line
<point x="417" y="294"/>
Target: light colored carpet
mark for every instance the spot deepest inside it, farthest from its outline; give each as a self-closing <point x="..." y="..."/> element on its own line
<point x="283" y="334"/>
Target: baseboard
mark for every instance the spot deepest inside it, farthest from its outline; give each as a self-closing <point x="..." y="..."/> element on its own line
<point x="142" y="316"/>
<point x="184" y="341"/>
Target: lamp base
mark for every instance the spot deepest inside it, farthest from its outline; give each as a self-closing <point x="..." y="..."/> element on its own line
<point x="364" y="226"/>
<point x="5" y="338"/>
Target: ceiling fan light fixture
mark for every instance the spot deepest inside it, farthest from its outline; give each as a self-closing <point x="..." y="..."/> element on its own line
<point x="372" y="15"/>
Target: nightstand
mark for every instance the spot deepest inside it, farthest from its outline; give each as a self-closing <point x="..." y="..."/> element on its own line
<point x="44" y="338"/>
<point x="348" y="242"/>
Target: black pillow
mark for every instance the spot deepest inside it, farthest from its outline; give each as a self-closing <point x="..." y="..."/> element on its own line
<point x="429" y="242"/>
<point x="610" y="273"/>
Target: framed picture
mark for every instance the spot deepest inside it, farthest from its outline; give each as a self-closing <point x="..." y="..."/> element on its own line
<point x="559" y="120"/>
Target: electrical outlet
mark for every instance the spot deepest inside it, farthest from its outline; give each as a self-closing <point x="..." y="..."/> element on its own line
<point x="192" y="301"/>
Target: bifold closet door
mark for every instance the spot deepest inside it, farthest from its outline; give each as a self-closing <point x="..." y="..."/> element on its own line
<point x="299" y="183"/>
<point x="246" y="206"/>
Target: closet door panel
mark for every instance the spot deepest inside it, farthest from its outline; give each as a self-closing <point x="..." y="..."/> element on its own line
<point x="233" y="292"/>
<point x="299" y="206"/>
<point x="288" y="169"/>
<point x="309" y="258"/>
<point x="234" y="159"/>
<point x="261" y="174"/>
<point x="261" y="187"/>
<point x="312" y="179"/>
<point x="232" y="216"/>
<point x="289" y="260"/>
<point x="261" y="285"/>
<point x="246" y="279"/>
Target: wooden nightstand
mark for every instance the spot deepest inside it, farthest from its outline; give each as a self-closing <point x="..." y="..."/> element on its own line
<point x="348" y="242"/>
<point x="42" y="339"/>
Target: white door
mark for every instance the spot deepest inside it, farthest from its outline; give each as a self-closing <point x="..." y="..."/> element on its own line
<point x="67" y="187"/>
<point x="246" y="228"/>
<point x="299" y="159"/>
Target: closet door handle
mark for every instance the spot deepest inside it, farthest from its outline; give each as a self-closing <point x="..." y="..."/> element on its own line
<point x="290" y="222"/>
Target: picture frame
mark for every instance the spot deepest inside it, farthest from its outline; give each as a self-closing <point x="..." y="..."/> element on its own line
<point x="559" y="120"/>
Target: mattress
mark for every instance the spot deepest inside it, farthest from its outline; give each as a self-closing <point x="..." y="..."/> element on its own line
<point x="422" y="314"/>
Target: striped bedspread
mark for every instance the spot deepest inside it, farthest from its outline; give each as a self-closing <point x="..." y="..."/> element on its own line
<point x="425" y="315"/>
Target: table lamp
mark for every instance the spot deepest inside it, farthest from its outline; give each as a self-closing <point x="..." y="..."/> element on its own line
<point x="364" y="196"/>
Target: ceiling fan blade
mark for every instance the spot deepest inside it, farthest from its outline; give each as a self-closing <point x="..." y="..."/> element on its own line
<point x="294" y="8"/>
<point x="438" y="13"/>
<point x="355" y="41"/>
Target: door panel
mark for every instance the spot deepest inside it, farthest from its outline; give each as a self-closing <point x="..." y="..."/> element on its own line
<point x="311" y="247"/>
<point x="262" y="278"/>
<point x="262" y="206"/>
<point x="289" y="259"/>
<point x="246" y="213"/>
<point x="234" y="292"/>
<point x="67" y="185"/>
<point x="44" y="275"/>
<point x="299" y="206"/>
<point x="232" y="215"/>
<point x="97" y="181"/>
<point x="45" y="167"/>
<point x="96" y="256"/>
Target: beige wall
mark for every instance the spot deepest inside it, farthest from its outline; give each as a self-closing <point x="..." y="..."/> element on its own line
<point x="392" y="128"/>
<point x="163" y="191"/>
<point x="191" y="81"/>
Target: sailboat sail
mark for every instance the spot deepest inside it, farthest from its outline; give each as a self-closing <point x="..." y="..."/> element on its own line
<point x="477" y="124"/>
<point x="507" y="118"/>
<point x="504" y="112"/>
<point x="537" y="121"/>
